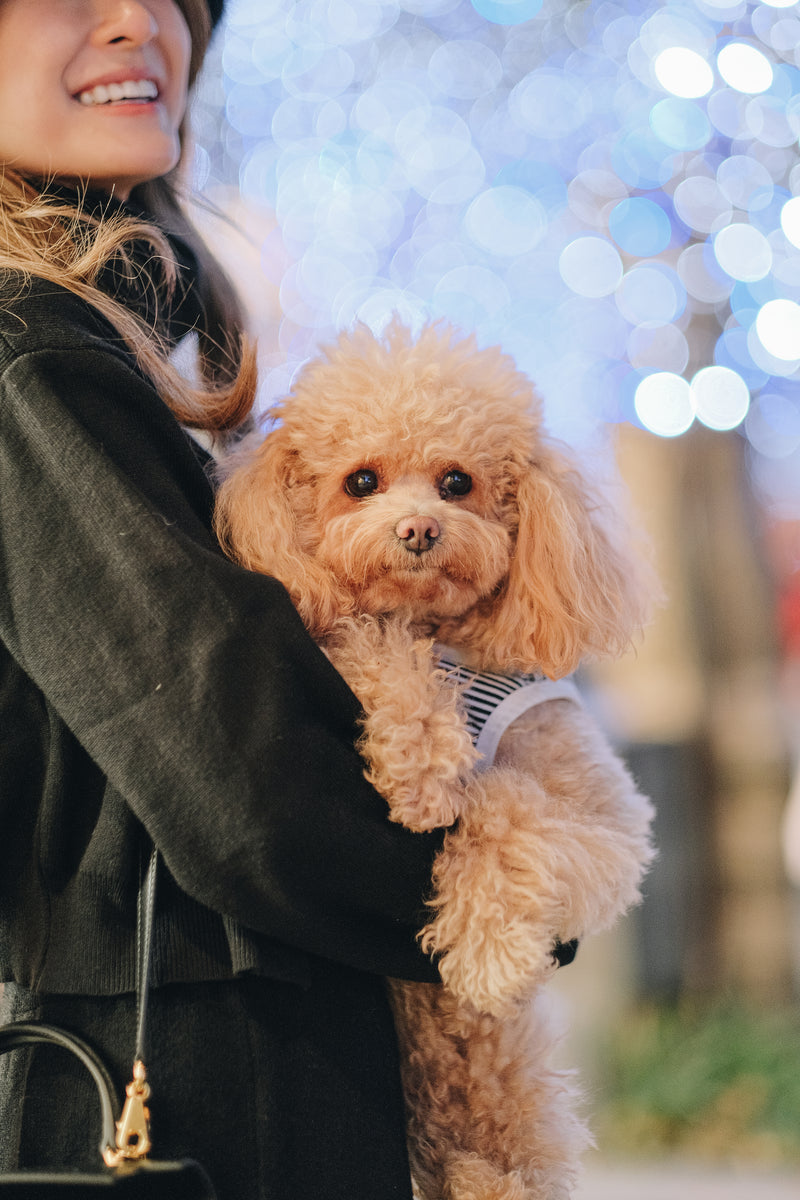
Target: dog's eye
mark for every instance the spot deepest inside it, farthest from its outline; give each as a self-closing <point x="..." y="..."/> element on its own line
<point x="455" y="483"/>
<point x="361" y="483"/>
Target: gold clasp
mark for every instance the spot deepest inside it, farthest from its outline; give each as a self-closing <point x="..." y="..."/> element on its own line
<point x="133" y="1127"/>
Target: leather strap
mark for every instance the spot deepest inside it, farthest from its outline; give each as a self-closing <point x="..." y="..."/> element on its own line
<point x="133" y="1127"/>
<point x="145" y="913"/>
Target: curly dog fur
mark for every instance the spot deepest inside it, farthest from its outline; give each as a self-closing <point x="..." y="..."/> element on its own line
<point x="407" y="497"/>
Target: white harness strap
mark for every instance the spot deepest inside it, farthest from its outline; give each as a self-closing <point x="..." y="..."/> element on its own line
<point x="492" y="702"/>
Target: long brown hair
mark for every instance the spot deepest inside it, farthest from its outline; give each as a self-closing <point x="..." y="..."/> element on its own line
<point x="44" y="234"/>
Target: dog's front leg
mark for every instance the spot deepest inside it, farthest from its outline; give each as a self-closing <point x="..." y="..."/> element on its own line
<point x="415" y="742"/>
<point x="594" y="823"/>
<point x="497" y="909"/>
<point x="553" y="845"/>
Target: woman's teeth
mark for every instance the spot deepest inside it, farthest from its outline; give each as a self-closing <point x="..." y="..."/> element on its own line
<point x="109" y="93"/>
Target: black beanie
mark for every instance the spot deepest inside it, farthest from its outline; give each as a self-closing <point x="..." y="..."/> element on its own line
<point x="215" y="7"/>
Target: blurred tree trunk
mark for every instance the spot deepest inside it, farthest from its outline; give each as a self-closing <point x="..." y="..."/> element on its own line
<point x="733" y="606"/>
<point x="697" y="710"/>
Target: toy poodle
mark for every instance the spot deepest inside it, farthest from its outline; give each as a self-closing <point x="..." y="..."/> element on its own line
<point x="443" y="549"/>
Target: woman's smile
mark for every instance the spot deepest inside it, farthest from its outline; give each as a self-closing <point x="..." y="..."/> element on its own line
<point x="140" y="92"/>
<point x="99" y="93"/>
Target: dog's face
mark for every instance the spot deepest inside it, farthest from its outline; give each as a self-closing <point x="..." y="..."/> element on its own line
<point x="403" y="478"/>
<point x="411" y="519"/>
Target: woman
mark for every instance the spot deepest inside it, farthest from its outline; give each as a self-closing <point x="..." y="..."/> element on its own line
<point x="149" y="689"/>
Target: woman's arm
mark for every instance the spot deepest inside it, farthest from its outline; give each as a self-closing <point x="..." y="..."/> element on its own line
<point x="191" y="682"/>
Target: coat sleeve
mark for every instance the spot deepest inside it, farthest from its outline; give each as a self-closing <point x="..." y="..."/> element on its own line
<point x="190" y="681"/>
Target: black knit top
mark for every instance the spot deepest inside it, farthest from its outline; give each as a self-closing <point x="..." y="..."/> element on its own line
<point x="149" y="688"/>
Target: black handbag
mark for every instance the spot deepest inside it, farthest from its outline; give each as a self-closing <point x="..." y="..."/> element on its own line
<point x="125" y="1141"/>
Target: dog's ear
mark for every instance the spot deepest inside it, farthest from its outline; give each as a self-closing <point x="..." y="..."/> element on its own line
<point x="573" y="590"/>
<point x="264" y="512"/>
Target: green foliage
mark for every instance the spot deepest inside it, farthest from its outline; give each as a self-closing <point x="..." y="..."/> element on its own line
<point x="721" y="1082"/>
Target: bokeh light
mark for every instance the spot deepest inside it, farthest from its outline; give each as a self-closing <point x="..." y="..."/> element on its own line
<point x="590" y="266"/>
<point x="778" y="328"/>
<point x="505" y="221"/>
<point x="773" y="425"/>
<point x="664" y="404"/>
<point x="721" y="397"/>
<point x="651" y="295"/>
<point x="743" y="252"/>
<point x="507" y="12"/>
<point x="640" y="227"/>
<point x="684" y="72"/>
<point x="701" y="204"/>
<point x="609" y="191"/>
<point x="680" y="124"/>
<point x="790" y="220"/>
<point x="744" y="67"/>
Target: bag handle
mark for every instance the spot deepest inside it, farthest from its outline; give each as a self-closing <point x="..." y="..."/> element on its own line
<point x="129" y="1137"/>
<point x="27" y="1033"/>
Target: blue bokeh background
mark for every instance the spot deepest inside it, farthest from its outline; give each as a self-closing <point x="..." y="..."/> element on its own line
<point x="609" y="191"/>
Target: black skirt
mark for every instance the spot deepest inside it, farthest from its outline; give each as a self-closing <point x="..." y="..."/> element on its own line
<point x="281" y="1092"/>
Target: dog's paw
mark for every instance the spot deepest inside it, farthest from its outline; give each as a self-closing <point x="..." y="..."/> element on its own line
<point x="418" y="762"/>
<point x="421" y="806"/>
<point x="499" y="970"/>
<point x="598" y="871"/>
<point x="417" y="748"/>
<point x="497" y="906"/>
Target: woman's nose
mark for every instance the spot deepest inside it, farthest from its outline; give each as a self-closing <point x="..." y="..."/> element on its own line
<point x="121" y="22"/>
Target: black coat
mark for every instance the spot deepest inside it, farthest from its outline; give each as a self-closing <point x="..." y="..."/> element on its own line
<point x="148" y="684"/>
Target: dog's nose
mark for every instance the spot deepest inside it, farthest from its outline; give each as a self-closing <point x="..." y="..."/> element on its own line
<point x="418" y="532"/>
